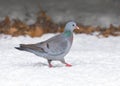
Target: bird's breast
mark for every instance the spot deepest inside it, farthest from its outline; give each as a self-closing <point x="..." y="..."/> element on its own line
<point x="71" y="39"/>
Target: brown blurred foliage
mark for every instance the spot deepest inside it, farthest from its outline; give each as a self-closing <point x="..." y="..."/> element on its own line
<point x="16" y="27"/>
<point x="44" y="24"/>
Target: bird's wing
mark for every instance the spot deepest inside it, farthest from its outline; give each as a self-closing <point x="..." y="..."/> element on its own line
<point x="32" y="47"/>
<point x="54" y="46"/>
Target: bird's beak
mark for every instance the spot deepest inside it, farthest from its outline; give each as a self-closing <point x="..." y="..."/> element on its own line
<point x="77" y="27"/>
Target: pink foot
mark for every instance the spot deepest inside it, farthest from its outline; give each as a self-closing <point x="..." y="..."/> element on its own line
<point x="68" y="65"/>
<point x="50" y="66"/>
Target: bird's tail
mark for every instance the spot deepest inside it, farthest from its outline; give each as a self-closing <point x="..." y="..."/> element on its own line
<point x="22" y="47"/>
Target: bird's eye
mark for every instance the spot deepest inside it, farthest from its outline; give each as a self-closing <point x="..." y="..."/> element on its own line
<point x="73" y="25"/>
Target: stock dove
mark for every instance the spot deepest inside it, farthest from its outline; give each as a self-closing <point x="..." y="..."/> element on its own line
<point x="54" y="48"/>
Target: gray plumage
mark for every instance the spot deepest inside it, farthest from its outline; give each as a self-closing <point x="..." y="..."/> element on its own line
<point x="54" y="48"/>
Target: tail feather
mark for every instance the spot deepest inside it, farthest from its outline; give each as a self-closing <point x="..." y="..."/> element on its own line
<point x="21" y="47"/>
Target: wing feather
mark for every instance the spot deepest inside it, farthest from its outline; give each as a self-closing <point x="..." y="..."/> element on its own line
<point x="54" y="46"/>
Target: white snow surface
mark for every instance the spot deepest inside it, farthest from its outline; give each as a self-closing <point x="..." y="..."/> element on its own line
<point x="96" y="62"/>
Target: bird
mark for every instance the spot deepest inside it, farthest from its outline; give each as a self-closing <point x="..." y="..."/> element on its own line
<point x="54" y="48"/>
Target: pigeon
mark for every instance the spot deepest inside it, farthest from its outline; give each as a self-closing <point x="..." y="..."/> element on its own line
<point x="55" y="48"/>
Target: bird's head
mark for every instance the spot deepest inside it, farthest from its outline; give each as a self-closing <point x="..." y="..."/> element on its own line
<point x="70" y="26"/>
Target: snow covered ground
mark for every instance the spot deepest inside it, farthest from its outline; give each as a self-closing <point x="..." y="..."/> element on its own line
<point x="96" y="62"/>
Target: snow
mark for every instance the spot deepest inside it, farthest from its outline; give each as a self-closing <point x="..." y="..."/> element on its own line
<point x="96" y="62"/>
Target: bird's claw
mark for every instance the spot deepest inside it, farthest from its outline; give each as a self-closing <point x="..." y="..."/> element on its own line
<point x="68" y="65"/>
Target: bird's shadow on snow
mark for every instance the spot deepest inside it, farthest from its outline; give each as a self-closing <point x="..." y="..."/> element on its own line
<point x="38" y="64"/>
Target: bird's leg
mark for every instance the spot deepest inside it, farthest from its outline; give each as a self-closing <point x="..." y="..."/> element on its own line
<point x="67" y="65"/>
<point x="49" y="62"/>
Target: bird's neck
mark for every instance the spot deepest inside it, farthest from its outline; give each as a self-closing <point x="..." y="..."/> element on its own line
<point x="67" y="33"/>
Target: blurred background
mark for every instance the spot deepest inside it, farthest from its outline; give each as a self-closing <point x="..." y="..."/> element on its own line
<point x="101" y="13"/>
